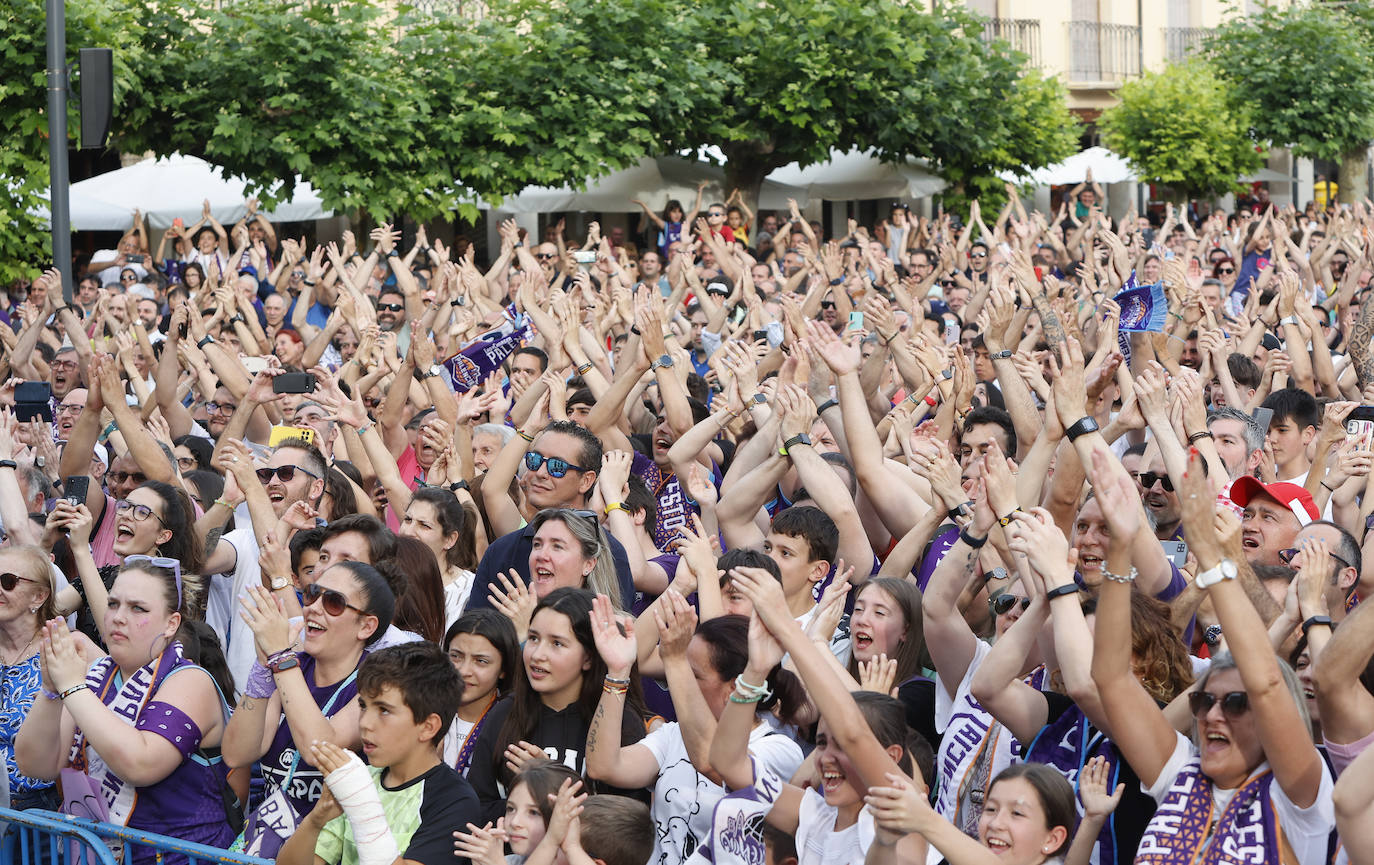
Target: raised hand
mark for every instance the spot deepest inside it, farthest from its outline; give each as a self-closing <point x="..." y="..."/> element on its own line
<point x="677" y="622"/>
<point x="614" y="642"/>
<point x="1092" y="789"/>
<point x="515" y="600"/>
<point x="878" y="674"/>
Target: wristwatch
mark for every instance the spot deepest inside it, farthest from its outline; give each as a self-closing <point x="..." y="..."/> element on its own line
<point x="1083" y="426"/>
<point x="759" y="399"/>
<point x="8" y="464"/>
<point x="1224" y="570"/>
<point x="279" y="583"/>
<point x="282" y="664"/>
<point x="798" y="439"/>
<point x="434" y="370"/>
<point x="1004" y="354"/>
<point x="962" y="510"/>
<point x="664" y="362"/>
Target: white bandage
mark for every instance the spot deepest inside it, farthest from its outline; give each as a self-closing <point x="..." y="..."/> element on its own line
<point x="352" y="787"/>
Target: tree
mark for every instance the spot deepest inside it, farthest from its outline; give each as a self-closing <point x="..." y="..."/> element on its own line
<point x="1184" y="128"/>
<point x="26" y="244"/>
<point x="1308" y="72"/>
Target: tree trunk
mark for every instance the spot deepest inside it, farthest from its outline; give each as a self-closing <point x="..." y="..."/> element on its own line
<point x="1354" y="175"/>
<point x="745" y="169"/>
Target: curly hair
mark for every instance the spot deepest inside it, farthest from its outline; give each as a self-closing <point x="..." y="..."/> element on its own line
<point x="1160" y="659"/>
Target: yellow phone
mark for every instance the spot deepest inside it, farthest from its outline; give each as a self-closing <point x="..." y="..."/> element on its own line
<point x="281" y="433"/>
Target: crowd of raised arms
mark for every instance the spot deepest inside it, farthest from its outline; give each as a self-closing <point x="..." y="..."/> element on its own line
<point x="721" y="540"/>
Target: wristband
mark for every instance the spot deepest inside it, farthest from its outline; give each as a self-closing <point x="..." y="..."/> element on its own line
<point x="457" y="485"/>
<point x="1292" y="319"/>
<point x="1198" y="436"/>
<point x="1061" y="591"/>
<point x="260" y="684"/>
<point x="527" y="437"/>
<point x="79" y="686"/>
<point x="51" y="695"/>
<point x="308" y="281"/>
<point x="584" y="368"/>
<point x="616" y="506"/>
<point x="828" y="404"/>
<point x="1314" y="621"/>
<point x="972" y="541"/>
<point x="8" y="464"/>
<point x="962" y="510"/>
<point x="839" y="280"/>
<point x="1007" y="520"/>
<point x="929" y="400"/>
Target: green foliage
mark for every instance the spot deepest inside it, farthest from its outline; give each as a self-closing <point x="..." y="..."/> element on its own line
<point x="1184" y="128"/>
<point x="1308" y="72"/>
<point x="26" y="245"/>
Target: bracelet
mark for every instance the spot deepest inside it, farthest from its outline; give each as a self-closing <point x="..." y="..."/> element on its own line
<point x="80" y="686"/>
<point x="1329" y="488"/>
<point x="367" y="425"/>
<point x="828" y="404"/>
<point x="888" y="340"/>
<point x="526" y="436"/>
<point x="1198" y="436"/>
<point x="612" y="680"/>
<point x="1120" y="578"/>
<point x="51" y="695"/>
<point x="1061" y="591"/>
<point x="929" y="400"/>
<point x="1315" y="620"/>
<point x="308" y="281"/>
<point x="619" y="690"/>
<point x="1006" y="521"/>
<point x="971" y="540"/>
<point x="758" y="692"/>
<point x="736" y="698"/>
<point x="223" y="501"/>
<point x="584" y="368"/>
<point x="634" y="329"/>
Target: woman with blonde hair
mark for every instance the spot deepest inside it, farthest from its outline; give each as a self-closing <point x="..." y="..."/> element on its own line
<point x="26" y="602"/>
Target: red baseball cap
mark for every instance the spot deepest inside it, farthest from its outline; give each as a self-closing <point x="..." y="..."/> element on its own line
<point x="1295" y="498"/>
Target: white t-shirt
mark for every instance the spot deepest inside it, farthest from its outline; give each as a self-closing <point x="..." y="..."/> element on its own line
<point x="965" y="726"/>
<point x="1306" y="829"/>
<point x="222" y="604"/>
<point x="111" y="273"/>
<point x="453" y="740"/>
<point x="456" y="597"/>
<point x="684" y="799"/>
<point x="817" y="841"/>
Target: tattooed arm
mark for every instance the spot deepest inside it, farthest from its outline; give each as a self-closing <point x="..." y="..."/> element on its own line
<point x="1358" y="345"/>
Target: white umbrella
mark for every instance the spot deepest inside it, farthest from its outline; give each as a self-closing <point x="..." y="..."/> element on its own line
<point x="855" y="175"/>
<point x="1107" y="167"/>
<point x="1266" y="175"/>
<point x="653" y="181"/>
<point x="175" y="186"/>
<point x="84" y="211"/>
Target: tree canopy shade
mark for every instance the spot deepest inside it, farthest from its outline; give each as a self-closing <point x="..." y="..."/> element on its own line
<point x="1308" y="73"/>
<point x="26" y="242"/>
<point x="1183" y="128"/>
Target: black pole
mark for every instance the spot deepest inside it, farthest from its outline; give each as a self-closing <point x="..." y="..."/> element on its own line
<point x="57" y="144"/>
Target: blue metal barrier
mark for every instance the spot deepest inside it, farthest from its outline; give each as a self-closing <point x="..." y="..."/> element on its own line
<point x="88" y="837"/>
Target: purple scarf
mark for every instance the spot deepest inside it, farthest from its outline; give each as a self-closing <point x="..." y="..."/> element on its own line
<point x="1182" y="831"/>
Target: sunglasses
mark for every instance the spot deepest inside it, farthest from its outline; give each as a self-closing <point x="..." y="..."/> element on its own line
<point x="714" y="213"/>
<point x="125" y="477"/>
<point x="173" y="565"/>
<point x="286" y="473"/>
<point x="390" y="307"/>
<point x="221" y="407"/>
<point x="1002" y="604"/>
<point x="1147" y="480"/>
<point x="977" y="255"/>
<point x="9" y="581"/>
<point x="827" y="304"/>
<point x="334" y="602"/>
<point x="1287" y="556"/>
<point x="1233" y="704"/>
<point x="545" y="256"/>
<point x="1226" y="270"/>
<point x="557" y="466"/>
<point x="141" y="512"/>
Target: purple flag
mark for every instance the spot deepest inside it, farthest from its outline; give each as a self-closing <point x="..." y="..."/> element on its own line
<point x="483" y="356"/>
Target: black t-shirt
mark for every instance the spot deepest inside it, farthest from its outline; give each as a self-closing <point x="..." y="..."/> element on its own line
<point x="918" y="696"/>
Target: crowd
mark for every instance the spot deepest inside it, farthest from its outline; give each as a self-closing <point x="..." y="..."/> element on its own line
<point x="724" y="540"/>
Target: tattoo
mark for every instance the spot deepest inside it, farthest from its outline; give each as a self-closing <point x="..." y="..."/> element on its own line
<point x="248" y="704"/>
<point x="1358" y="344"/>
<point x="969" y="561"/>
<point x="1049" y="321"/>
<point x="595" y="726"/>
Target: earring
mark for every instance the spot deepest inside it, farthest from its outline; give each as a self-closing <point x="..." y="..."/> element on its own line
<point x="33" y="609"/>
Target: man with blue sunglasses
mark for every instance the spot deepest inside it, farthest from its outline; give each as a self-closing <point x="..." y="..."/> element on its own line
<point x="561" y="464"/>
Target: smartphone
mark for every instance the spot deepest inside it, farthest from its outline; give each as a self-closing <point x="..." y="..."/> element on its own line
<point x="33" y="401"/>
<point x="856" y="320"/>
<point x="182" y="330"/>
<point x="952" y="332"/>
<point x="254" y="365"/>
<point x="760" y="335"/>
<point x="1263" y="417"/>
<point x="294" y="382"/>
<point x="1176" y="552"/>
<point x="1360" y="421"/>
<point x="585" y="258"/>
<point x="281" y="433"/>
<point x="135" y="259"/>
<point x="75" y="488"/>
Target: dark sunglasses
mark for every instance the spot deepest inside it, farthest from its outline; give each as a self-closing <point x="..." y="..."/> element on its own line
<point x="977" y="255"/>
<point x="390" y="307"/>
<point x="286" y="473"/>
<point x="1225" y="270"/>
<point x="334" y="602"/>
<point x="545" y="256"/>
<point x="1233" y="704"/>
<point x="141" y="512"/>
<point x="827" y="304"/>
<point x="1287" y="556"/>
<point x="557" y="466"/>
<point x="9" y="581"/>
<point x="1002" y="604"/>
<point x="1147" y="480"/>
<point x="124" y="477"/>
<point x="714" y="213"/>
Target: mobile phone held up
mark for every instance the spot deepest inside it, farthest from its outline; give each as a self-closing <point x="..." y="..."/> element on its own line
<point x="33" y="401"/>
<point x="75" y="488"/>
<point x="294" y="382"/>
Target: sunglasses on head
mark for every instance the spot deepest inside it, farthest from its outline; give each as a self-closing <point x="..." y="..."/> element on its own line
<point x="1287" y="556"/>
<point x="335" y="602"/>
<point x="1147" y="480"/>
<point x="1233" y="704"/>
<point x="1002" y="604"/>
<point x="286" y="473"/>
<point x="173" y="565"/>
<point x="9" y="581"/>
<point x="557" y="466"/>
<point x="390" y="307"/>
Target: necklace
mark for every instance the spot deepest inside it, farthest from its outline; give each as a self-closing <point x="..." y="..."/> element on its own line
<point x="23" y="653"/>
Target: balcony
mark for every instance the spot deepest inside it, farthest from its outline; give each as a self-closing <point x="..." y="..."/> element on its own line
<point x="1103" y="53"/>
<point x="1181" y="43"/>
<point x="1022" y="34"/>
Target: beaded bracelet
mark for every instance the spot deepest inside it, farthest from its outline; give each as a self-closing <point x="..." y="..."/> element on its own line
<point x="1120" y="578"/>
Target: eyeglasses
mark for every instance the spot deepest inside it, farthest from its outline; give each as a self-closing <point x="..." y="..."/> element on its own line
<point x="1002" y="604"/>
<point x="335" y="602"/>
<point x="186" y="463"/>
<point x="827" y="304"/>
<point x="285" y="473"/>
<point x="1147" y="480"/>
<point x="714" y="213"/>
<point x="298" y="273"/>
<point x="1287" y="556"/>
<point x="557" y="466"/>
<point x="170" y="564"/>
<point x="125" y="477"/>
<point x="1233" y="704"/>
<point x="221" y="407"/>
<point x="141" y="512"/>
<point x="64" y="365"/>
<point x="69" y="409"/>
<point x="128" y="277"/>
<point x="977" y="255"/>
<point x="390" y="307"/>
<point x="9" y="581"/>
